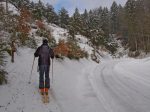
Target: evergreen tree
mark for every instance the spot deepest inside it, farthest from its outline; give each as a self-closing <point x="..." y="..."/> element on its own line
<point x="143" y="24"/>
<point x="38" y="11"/>
<point x="85" y="30"/>
<point x="85" y="15"/>
<point x="76" y="22"/>
<point x="105" y="22"/>
<point x="71" y="28"/>
<point x="63" y="18"/>
<point x="114" y="18"/>
<point x="20" y="3"/>
<point x="50" y="14"/>
<point x="147" y="5"/>
<point x="100" y="10"/>
<point x="2" y="46"/>
<point x="94" y="21"/>
<point x="122" y="26"/>
<point x="2" y="63"/>
<point x="130" y="9"/>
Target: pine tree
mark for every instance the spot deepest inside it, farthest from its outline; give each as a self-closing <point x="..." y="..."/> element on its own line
<point x="85" y="17"/>
<point x="140" y="17"/>
<point x="38" y="11"/>
<point x="105" y="21"/>
<point x="94" y="21"/>
<point x="143" y="24"/>
<point x="50" y="14"/>
<point x="2" y="46"/>
<point x="78" y="24"/>
<point x="122" y="26"/>
<point x="75" y="24"/>
<point x="71" y="29"/>
<point x="2" y="63"/>
<point x="114" y="18"/>
<point x="130" y="9"/>
<point x="20" y="3"/>
<point x="63" y="18"/>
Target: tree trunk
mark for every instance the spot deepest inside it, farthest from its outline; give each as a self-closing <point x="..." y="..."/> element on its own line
<point x="12" y="56"/>
<point x="6" y="6"/>
<point x="136" y="42"/>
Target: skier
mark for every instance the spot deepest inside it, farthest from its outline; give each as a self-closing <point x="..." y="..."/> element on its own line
<point x="44" y="52"/>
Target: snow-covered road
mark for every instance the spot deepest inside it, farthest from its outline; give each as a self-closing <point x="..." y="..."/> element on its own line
<point x="112" y="86"/>
<point x="123" y="85"/>
<point x="79" y="86"/>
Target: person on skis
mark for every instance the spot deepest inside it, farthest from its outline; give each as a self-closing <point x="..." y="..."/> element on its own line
<point x="44" y="52"/>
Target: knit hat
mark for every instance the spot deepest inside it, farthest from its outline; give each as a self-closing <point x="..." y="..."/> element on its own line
<point x="45" y="41"/>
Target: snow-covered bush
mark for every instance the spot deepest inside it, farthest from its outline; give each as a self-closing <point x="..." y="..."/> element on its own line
<point x="42" y="33"/>
<point x="69" y="49"/>
<point x="133" y="53"/>
<point x="75" y="51"/>
<point x="2" y="64"/>
<point x="52" y="42"/>
<point x="31" y="43"/>
<point x="112" y="47"/>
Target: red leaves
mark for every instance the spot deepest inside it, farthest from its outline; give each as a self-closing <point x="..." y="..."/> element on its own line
<point x="23" y="21"/>
<point x="62" y="48"/>
<point x="69" y="49"/>
<point x="40" y="24"/>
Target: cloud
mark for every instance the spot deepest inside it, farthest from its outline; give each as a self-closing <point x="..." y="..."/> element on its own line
<point x="70" y="5"/>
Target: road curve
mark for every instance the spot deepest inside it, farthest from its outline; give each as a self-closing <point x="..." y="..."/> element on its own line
<point x="122" y="85"/>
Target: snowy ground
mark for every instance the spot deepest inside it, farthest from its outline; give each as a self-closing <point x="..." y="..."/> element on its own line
<point x="79" y="86"/>
<point x="18" y="95"/>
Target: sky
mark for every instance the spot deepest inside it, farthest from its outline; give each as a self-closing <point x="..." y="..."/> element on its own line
<point x="70" y="5"/>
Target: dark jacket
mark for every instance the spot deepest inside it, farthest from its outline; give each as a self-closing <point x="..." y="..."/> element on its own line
<point x="44" y="52"/>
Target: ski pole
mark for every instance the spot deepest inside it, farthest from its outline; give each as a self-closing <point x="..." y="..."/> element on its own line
<point x="52" y="70"/>
<point x="31" y="71"/>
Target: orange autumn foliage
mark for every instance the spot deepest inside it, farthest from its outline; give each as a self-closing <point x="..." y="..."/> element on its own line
<point x="62" y="48"/>
<point x="23" y="20"/>
<point x="40" y="24"/>
<point x="70" y="50"/>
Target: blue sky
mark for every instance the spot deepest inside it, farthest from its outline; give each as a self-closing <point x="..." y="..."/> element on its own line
<point x="70" y="5"/>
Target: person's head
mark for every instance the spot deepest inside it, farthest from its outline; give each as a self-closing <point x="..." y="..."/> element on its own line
<point x="45" y="41"/>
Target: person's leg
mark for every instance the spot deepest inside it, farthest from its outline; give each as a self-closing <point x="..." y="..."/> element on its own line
<point x="41" y="77"/>
<point x="47" y="79"/>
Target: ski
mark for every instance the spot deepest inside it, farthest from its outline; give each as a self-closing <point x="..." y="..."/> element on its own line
<point x="43" y="98"/>
<point x="46" y="98"/>
<point x="42" y="94"/>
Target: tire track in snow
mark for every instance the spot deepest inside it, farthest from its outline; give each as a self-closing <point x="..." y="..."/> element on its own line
<point x="116" y="92"/>
<point x="88" y="91"/>
<point x="99" y="96"/>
